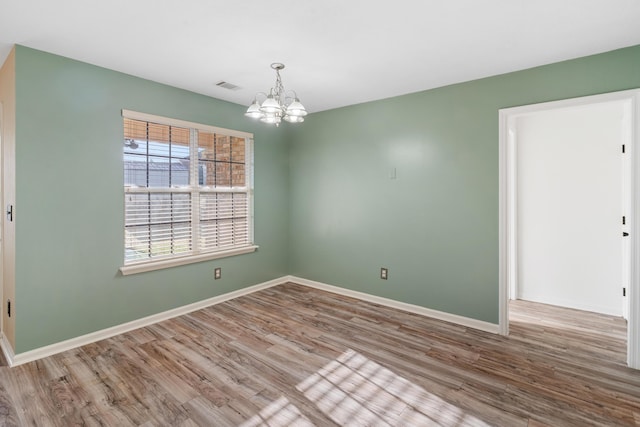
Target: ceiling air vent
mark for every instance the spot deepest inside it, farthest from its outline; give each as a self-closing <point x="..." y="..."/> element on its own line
<point x="227" y="85"/>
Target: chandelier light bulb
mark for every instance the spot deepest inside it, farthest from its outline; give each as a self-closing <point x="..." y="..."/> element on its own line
<point x="254" y="110"/>
<point x="296" y="109"/>
<point x="271" y="119"/>
<point x="270" y="105"/>
<point x="294" y="119"/>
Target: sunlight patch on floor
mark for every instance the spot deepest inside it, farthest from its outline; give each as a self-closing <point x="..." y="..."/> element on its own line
<point x="279" y="413"/>
<point x="354" y="390"/>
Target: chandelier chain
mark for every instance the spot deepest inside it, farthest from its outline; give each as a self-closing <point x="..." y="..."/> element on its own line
<point x="279" y="89"/>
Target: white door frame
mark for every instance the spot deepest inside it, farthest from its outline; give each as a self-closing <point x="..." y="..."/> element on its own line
<point x="508" y="195"/>
<point x="1" y="221"/>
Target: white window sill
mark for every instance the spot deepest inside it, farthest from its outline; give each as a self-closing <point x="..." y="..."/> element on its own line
<point x="143" y="267"/>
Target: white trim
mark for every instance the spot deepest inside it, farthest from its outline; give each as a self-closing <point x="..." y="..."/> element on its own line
<point x="185" y="189"/>
<point x="507" y="192"/>
<point x="50" y="350"/>
<point x="7" y="349"/>
<point x="135" y="115"/>
<point x="143" y="267"/>
<point x="1" y="222"/>
<point x="573" y="102"/>
<point x="249" y="148"/>
<point x="504" y="234"/>
<point x="411" y="308"/>
<point x="633" y="324"/>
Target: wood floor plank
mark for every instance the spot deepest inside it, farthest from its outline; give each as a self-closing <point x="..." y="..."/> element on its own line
<point x="8" y="416"/>
<point x="293" y="355"/>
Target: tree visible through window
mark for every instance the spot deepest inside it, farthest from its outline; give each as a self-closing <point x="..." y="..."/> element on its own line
<point x="187" y="190"/>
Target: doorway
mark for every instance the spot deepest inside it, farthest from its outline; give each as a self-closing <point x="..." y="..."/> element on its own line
<point x="515" y="228"/>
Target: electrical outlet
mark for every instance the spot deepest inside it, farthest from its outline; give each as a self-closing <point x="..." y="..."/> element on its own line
<point x="217" y="273"/>
<point x="384" y="273"/>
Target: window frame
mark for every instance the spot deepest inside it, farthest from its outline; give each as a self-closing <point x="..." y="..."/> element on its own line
<point x="196" y="255"/>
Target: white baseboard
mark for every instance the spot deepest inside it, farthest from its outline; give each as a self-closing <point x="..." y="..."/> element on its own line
<point x="39" y="353"/>
<point x="7" y="349"/>
<point x="411" y="308"/>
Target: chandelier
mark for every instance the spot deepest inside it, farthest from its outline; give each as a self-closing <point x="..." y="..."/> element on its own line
<point x="278" y="104"/>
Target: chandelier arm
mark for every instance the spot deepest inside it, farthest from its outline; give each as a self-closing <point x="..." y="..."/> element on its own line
<point x="288" y="99"/>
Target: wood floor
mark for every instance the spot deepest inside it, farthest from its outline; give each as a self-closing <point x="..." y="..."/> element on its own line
<point x="296" y="356"/>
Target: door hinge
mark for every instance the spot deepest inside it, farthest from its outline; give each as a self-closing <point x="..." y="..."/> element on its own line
<point x="624" y="220"/>
<point x="624" y="292"/>
<point x="622" y="148"/>
<point x="9" y="308"/>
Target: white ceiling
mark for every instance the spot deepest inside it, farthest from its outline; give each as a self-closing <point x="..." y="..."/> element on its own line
<point x="337" y="52"/>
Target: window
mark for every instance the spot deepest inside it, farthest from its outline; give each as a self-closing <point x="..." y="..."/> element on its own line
<point x="188" y="192"/>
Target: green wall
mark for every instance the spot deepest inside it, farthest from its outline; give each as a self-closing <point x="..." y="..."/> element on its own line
<point x="325" y="206"/>
<point x="436" y="225"/>
<point x="69" y="201"/>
